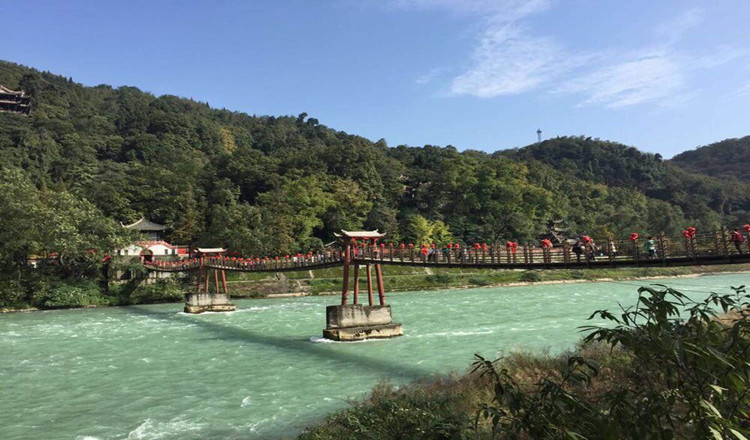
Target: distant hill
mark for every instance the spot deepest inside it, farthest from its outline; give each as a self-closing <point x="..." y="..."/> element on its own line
<point x="263" y="184"/>
<point x="728" y="158"/>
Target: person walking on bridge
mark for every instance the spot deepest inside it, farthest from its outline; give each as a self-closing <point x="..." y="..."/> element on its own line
<point x="578" y="250"/>
<point x="737" y="239"/>
<point x="591" y="250"/>
<point x="650" y="247"/>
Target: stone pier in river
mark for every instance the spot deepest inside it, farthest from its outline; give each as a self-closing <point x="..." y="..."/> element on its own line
<point x="357" y="322"/>
<point x="208" y="302"/>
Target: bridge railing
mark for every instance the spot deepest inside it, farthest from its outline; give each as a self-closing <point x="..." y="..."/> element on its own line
<point x="691" y="246"/>
<point x="249" y="264"/>
<point x="695" y="246"/>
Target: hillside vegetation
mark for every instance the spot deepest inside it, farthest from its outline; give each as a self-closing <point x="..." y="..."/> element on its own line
<point x="265" y="185"/>
<point x="725" y="159"/>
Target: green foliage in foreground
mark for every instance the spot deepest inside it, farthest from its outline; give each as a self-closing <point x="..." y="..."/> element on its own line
<point x="668" y="368"/>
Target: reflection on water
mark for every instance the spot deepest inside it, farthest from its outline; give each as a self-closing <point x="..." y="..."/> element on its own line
<point x="152" y="372"/>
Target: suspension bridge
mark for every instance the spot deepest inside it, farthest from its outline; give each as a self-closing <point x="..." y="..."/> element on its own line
<point x="361" y="250"/>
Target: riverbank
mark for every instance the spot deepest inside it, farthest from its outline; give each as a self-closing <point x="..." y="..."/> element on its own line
<point x="396" y="279"/>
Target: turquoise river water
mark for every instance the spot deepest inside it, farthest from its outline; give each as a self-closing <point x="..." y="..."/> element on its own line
<point x="152" y="372"/>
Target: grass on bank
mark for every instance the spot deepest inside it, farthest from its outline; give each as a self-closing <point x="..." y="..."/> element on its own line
<point x="665" y="369"/>
<point x="399" y="278"/>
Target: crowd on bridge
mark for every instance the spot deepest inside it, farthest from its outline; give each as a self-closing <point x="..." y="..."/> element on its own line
<point x="578" y="249"/>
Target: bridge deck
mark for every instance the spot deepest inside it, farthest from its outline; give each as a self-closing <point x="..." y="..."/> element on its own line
<point x="600" y="263"/>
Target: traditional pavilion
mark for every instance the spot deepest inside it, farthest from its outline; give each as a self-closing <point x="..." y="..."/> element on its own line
<point x="12" y="101"/>
<point x="151" y="231"/>
<point x="350" y="238"/>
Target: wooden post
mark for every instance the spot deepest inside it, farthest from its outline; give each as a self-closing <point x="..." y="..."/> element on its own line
<point x="530" y="249"/>
<point x="356" y="284"/>
<point x="692" y="248"/>
<point x="566" y="252"/>
<point x="208" y="277"/>
<point x="345" y="283"/>
<point x="216" y="279"/>
<point x="200" y="276"/>
<point x="381" y="291"/>
<point x="662" y="250"/>
<point x="717" y="238"/>
<point x="224" y="280"/>
<point x="369" y="284"/>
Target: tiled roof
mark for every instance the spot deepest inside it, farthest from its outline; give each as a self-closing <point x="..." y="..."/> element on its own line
<point x="211" y="250"/>
<point x="145" y="225"/>
<point x="361" y="234"/>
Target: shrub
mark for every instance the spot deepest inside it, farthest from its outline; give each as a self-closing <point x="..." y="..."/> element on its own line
<point x="577" y="274"/>
<point x="687" y="378"/>
<point x="69" y="294"/>
<point x="440" y="278"/>
<point x="479" y="281"/>
<point x="163" y="290"/>
<point x="531" y="276"/>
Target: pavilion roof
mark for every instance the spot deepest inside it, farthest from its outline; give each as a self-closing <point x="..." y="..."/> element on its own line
<point x="360" y="234"/>
<point x="145" y="225"/>
<point x="211" y="250"/>
<point x="4" y="89"/>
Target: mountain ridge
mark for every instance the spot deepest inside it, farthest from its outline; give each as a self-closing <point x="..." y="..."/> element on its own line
<point x="267" y="183"/>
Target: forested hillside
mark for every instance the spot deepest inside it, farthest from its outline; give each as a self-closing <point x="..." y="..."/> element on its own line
<point x="725" y="159"/>
<point x="263" y="184"/>
<point x="704" y="200"/>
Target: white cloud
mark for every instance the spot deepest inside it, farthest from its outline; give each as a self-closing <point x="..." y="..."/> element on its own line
<point x="507" y="61"/>
<point x="510" y="59"/>
<point x="430" y="76"/>
<point x="661" y="75"/>
<point x="648" y="77"/>
<point x="672" y="30"/>
<point x="508" y="10"/>
<point x="744" y="90"/>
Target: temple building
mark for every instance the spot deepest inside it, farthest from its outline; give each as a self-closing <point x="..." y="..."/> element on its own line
<point x="150" y="231"/>
<point x="151" y="242"/>
<point x="12" y="101"/>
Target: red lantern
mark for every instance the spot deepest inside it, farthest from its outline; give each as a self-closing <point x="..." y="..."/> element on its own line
<point x="411" y="245"/>
<point x="450" y="246"/>
<point x="691" y="231"/>
<point x="456" y="245"/>
<point x="633" y="236"/>
<point x="382" y="245"/>
<point x="747" y="228"/>
<point x="546" y="243"/>
<point x="476" y="246"/>
<point x="484" y="246"/>
<point x="686" y="234"/>
<point x="401" y="246"/>
<point x="586" y="239"/>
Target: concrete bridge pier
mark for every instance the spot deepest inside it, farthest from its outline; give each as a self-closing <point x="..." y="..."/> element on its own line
<point x="203" y="300"/>
<point x="355" y="322"/>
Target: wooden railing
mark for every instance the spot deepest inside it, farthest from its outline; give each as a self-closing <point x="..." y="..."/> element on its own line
<point x="707" y="248"/>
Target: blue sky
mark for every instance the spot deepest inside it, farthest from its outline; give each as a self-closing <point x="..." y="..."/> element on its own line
<point x="663" y="76"/>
